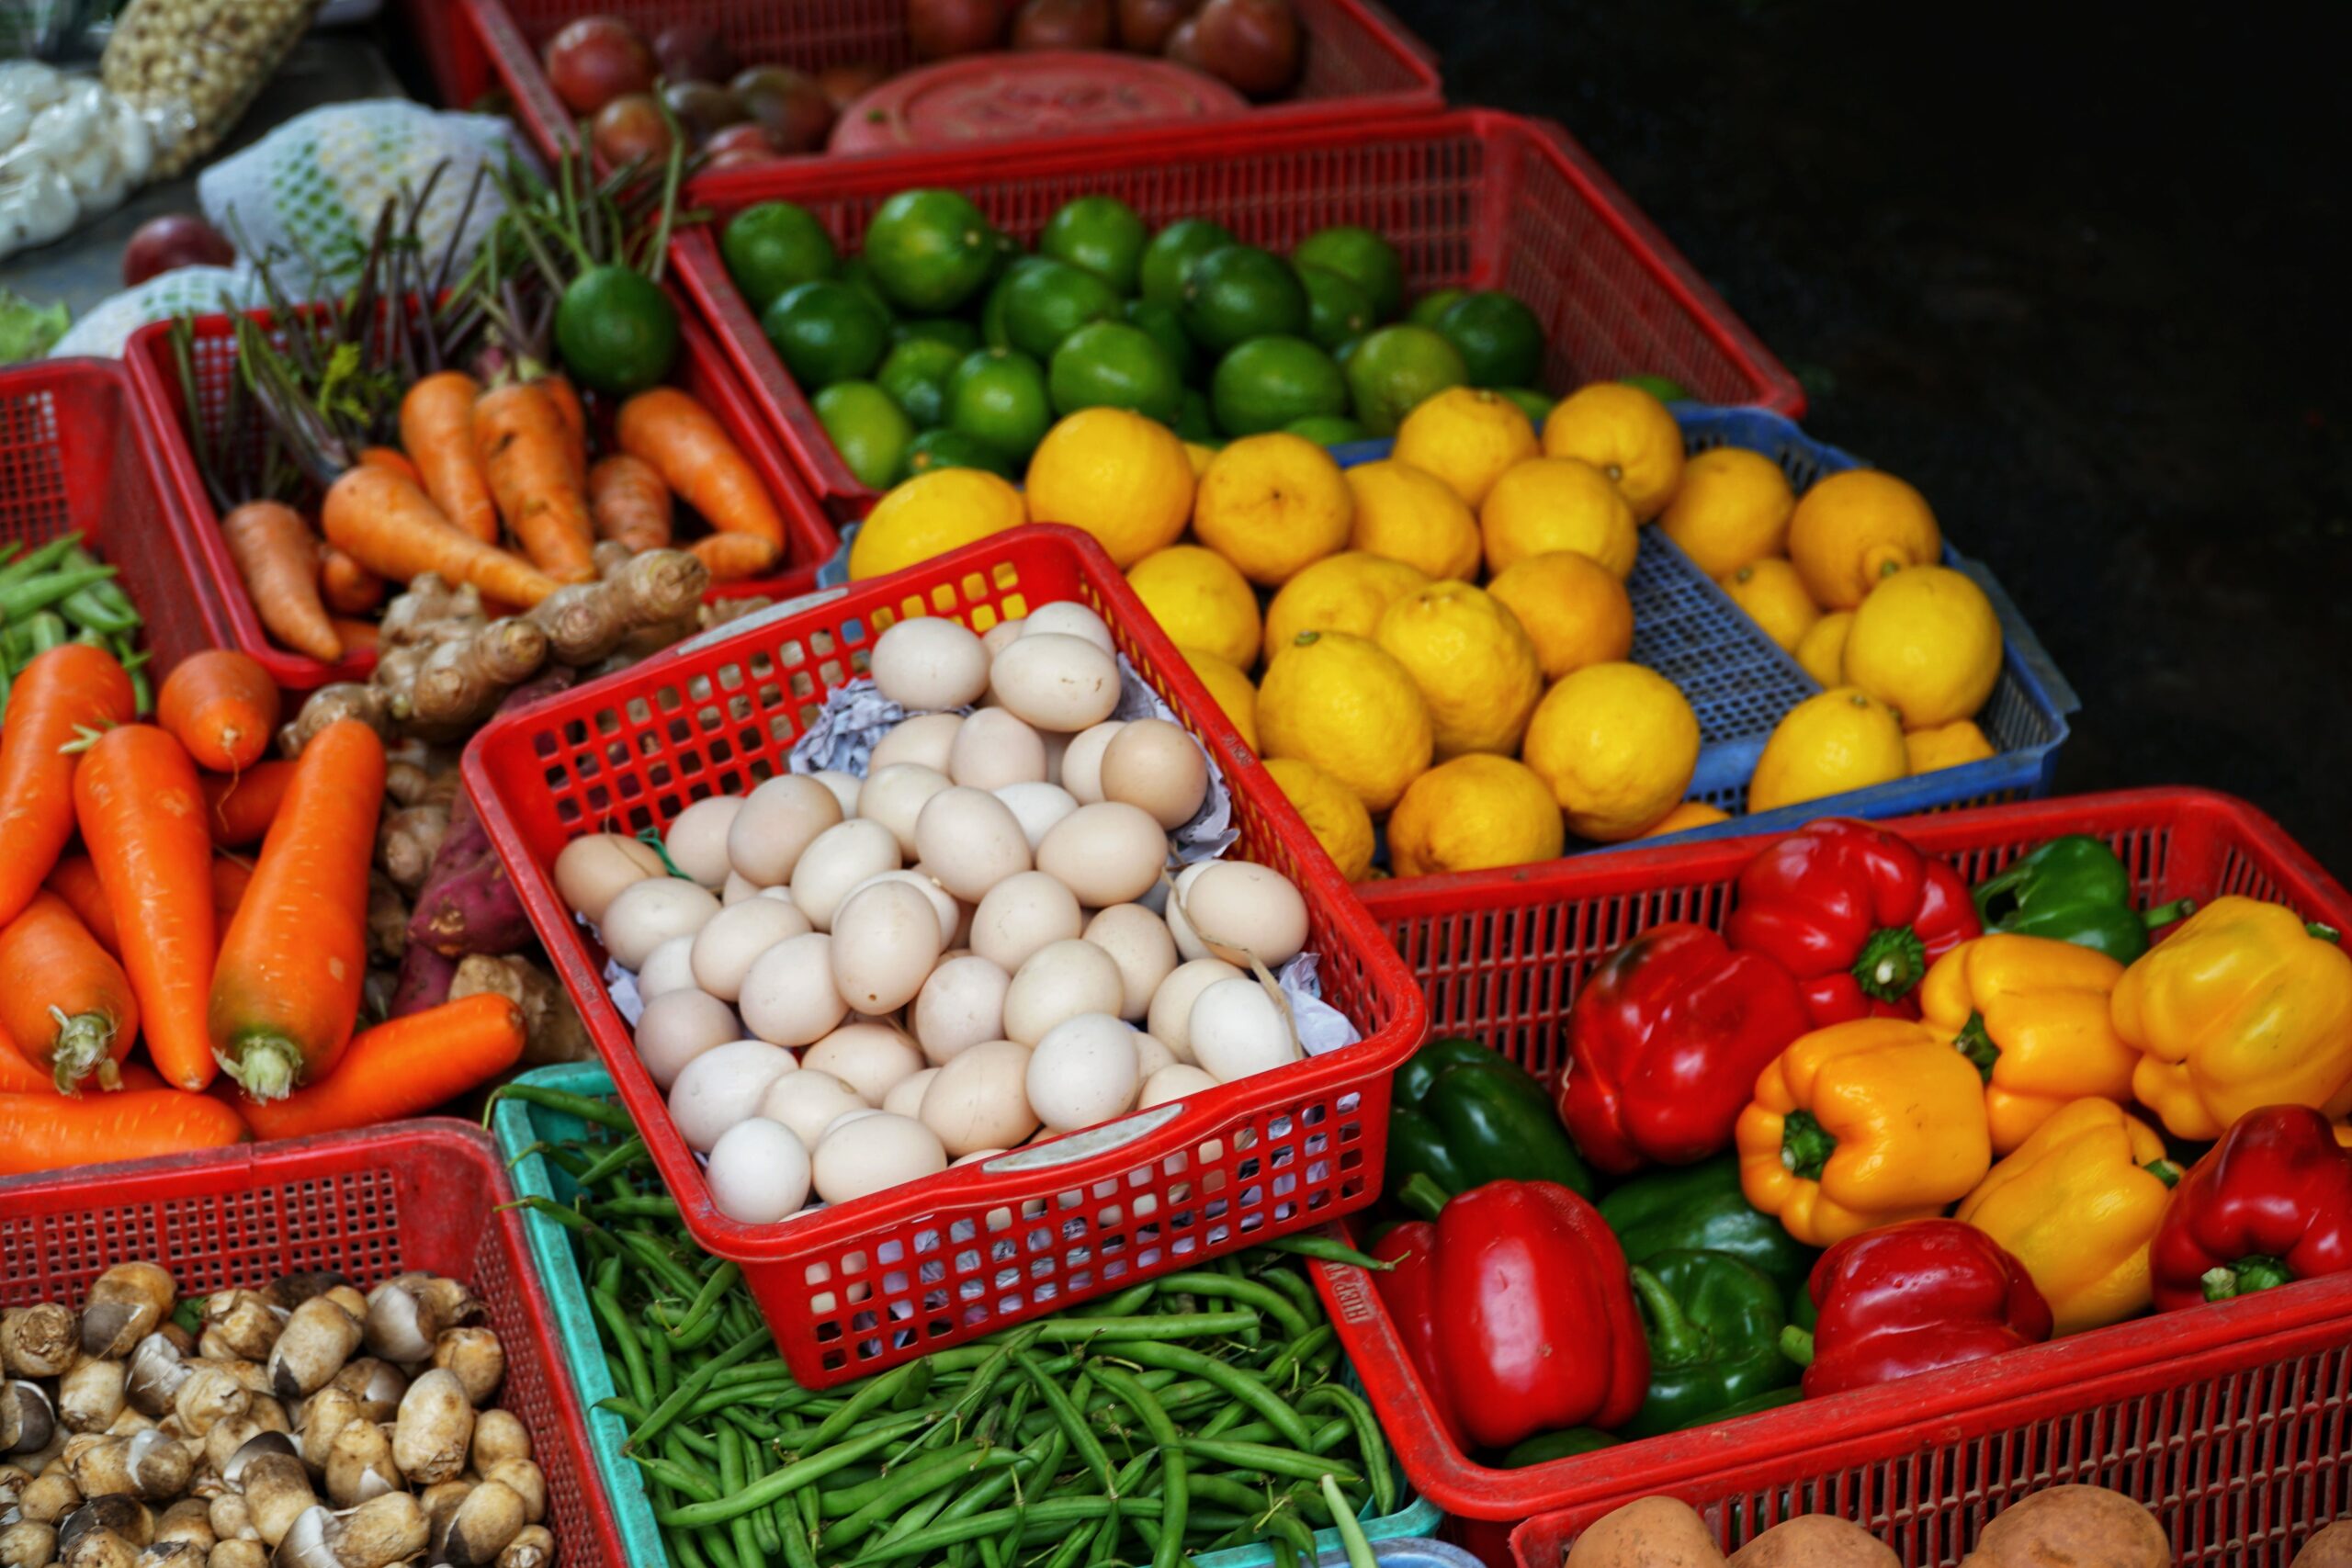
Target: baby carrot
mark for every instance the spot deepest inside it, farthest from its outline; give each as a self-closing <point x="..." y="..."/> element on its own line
<point x="522" y="441"/>
<point x="629" y="502"/>
<point x="387" y="526"/>
<point x="237" y="809"/>
<point x="694" y="457"/>
<point x="402" y="1068"/>
<point x="730" y="557"/>
<point x="221" y="705"/>
<point x="277" y="556"/>
<point x="63" y="998"/>
<point x="565" y="397"/>
<point x="392" y="458"/>
<point x="437" y="428"/>
<point x="59" y="697"/>
<point x="344" y="586"/>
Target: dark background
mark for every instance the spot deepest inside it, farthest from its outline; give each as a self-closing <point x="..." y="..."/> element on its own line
<point x="2076" y="271"/>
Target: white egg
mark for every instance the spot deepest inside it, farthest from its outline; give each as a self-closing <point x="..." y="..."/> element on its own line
<point x="1037" y="807"/>
<point x="994" y="749"/>
<point x="1170" y="1016"/>
<point x="759" y="1172"/>
<point x="1056" y="743"/>
<point x="725" y="950"/>
<point x="1156" y="765"/>
<point x="1022" y="914"/>
<point x="722" y="1087"/>
<point x="789" y="998"/>
<point x="1069" y="618"/>
<point x="646" y="914"/>
<point x="678" y="1026"/>
<point x="926" y="738"/>
<point x="895" y="796"/>
<point x="1242" y="911"/>
<point x="1189" y="945"/>
<point x="950" y="912"/>
<point x="806" y="1101"/>
<point x="905" y="1098"/>
<point x="970" y="842"/>
<point x="668" y="967"/>
<point x="886" y="939"/>
<point x="1173" y="1083"/>
<point x="1055" y="682"/>
<point x="843" y="856"/>
<point x="1002" y="635"/>
<point x="697" y="841"/>
<point x="1138" y="943"/>
<point x="844" y="1119"/>
<point x="980" y="1099"/>
<point x="974" y="1158"/>
<point x="844" y="786"/>
<point x="872" y="1058"/>
<point x="590" y="871"/>
<point x="1237" y="1029"/>
<point x="738" y="886"/>
<point x="1106" y="853"/>
<point x="1061" y="981"/>
<point x="1082" y="760"/>
<point x="873" y="1153"/>
<point x="1083" y="1072"/>
<point x="779" y="820"/>
<point x="1151" y="1055"/>
<point x="930" y="662"/>
<point x="961" y="1005"/>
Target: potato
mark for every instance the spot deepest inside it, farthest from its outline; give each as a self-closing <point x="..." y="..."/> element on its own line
<point x="2331" y="1548"/>
<point x="1649" y="1533"/>
<point x="2082" y="1527"/>
<point x="1816" y="1540"/>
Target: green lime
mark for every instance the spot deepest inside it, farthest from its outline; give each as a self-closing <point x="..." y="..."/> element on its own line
<point x="1430" y="306"/>
<point x="615" y="331"/>
<point x="1665" y="388"/>
<point x="1193" y="421"/>
<point x="1345" y="352"/>
<point x="1165" y="328"/>
<point x="1171" y="254"/>
<point x="931" y="249"/>
<point x="992" y="331"/>
<point x="1327" y="429"/>
<point x="1394" y="369"/>
<point x="1269" y="381"/>
<point x="1004" y="250"/>
<point x="827" y="331"/>
<point x="997" y="396"/>
<point x="1363" y="259"/>
<point x="950" y="449"/>
<point x="953" y="331"/>
<point x="1240" y="292"/>
<point x="1535" y="405"/>
<point x="868" y="428"/>
<point x="915" y="375"/>
<point x="773" y="246"/>
<point x="1102" y="234"/>
<point x="1113" y="365"/>
<point x="1338" y="310"/>
<point x="858" y="273"/>
<point x="1500" y="340"/>
<point x="1047" y="302"/>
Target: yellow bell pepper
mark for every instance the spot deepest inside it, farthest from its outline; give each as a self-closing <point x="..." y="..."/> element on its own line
<point x="2077" y="1204"/>
<point x="1863" y="1124"/>
<point x="2032" y="1013"/>
<point x="2241" y="1006"/>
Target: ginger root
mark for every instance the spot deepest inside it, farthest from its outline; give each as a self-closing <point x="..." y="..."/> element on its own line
<point x="553" y="1031"/>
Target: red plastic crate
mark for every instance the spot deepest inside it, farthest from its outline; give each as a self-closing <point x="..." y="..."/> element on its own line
<point x="1500" y="956"/>
<point x="701" y="371"/>
<point x="857" y="1287"/>
<point x="75" y="454"/>
<point x="427" y="1196"/>
<point x="1471" y="197"/>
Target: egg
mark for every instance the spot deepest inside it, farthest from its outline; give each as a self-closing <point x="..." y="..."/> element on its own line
<point x="1138" y="943"/>
<point x="722" y="1087"/>
<point x="1237" y="1029"/>
<point x="842" y="856"/>
<point x="886" y="939"/>
<point x="1020" y="915"/>
<point x="870" y="1057"/>
<point x="943" y="904"/>
<point x="994" y="749"/>
<point x="905" y="1098"/>
<point x="779" y="820"/>
<point x="926" y="738"/>
<point x="1055" y="682"/>
<point x="961" y="1005"/>
<point x="1083" y="1072"/>
<point x="980" y="1099"/>
<point x="1002" y="635"/>
<point x="1189" y="944"/>
<point x="1069" y="618"/>
<point x="1240" y="911"/>
<point x="1172" y="1082"/>
<point x="1154" y="764"/>
<point x="845" y="1118"/>
<point x="1170" y="1019"/>
<point x="646" y="914"/>
<point x="806" y="1101"/>
<point x="1037" y="807"/>
<point x="976" y="1158"/>
<point x="896" y="795"/>
<point x="1151" y="1055"/>
<point x="1107" y="854"/>
<point x="696" y="840"/>
<point x="589" y="872"/>
<point x="668" y="967"/>
<point x="759" y="1172"/>
<point x="843" y="787"/>
<point x="970" y="842"/>
<point x="678" y="1026"/>
<point x="1082" y="771"/>
<point x="737" y="887"/>
<point x="725" y="950"/>
<point x="1061" y="981"/>
<point x="930" y="662"/>
<point x="789" y="998"/>
<point x="873" y="1155"/>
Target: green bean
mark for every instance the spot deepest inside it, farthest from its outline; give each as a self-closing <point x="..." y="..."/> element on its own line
<point x="1174" y="1497"/>
<point x="47" y="630"/>
<point x="1125" y="1304"/>
<point x="1298" y="1350"/>
<point x="1175" y="1325"/>
<point x="919" y="1482"/>
<point x="1326" y="1249"/>
<point x="670" y="1474"/>
<point x="792" y="1477"/>
<point x="655" y="1257"/>
<point x="42" y="559"/>
<point x="1051" y="1512"/>
<point x="686" y="1393"/>
<point x="840" y="1501"/>
<point x="877" y="1390"/>
<point x="1073" y="1426"/>
<point x="719" y="1549"/>
<point x="87" y="609"/>
<point x="797" y="1550"/>
<point x="740" y="1535"/>
<point x="601" y="1112"/>
<point x="682" y="1545"/>
<point x="1292" y="1283"/>
<point x="1242" y="1385"/>
<point x="1285" y="1554"/>
<point x="615" y="1158"/>
<point x="1265" y="1459"/>
<point x="639" y="1206"/>
<point x="1370" y="1443"/>
<point x="702" y="1313"/>
<point x="1351" y="1534"/>
<point x="23" y="597"/>
<point x="1266" y="1299"/>
<point x="608" y="1311"/>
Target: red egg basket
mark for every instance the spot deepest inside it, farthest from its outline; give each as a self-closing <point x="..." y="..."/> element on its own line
<point x="427" y="1195"/>
<point x="1470" y="197"/>
<point x="857" y="1287"/>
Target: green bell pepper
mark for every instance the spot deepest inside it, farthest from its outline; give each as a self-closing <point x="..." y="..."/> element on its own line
<point x="2073" y="889"/>
<point x="1701" y="1207"/>
<point x="1462" y="1116"/>
<point x="1760" y="1403"/>
<point x="1714" y="1328"/>
<point x="1545" y="1447"/>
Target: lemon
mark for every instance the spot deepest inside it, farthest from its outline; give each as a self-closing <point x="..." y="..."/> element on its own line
<point x="1822" y="648"/>
<point x="1471" y="813"/>
<point x="1332" y="814"/>
<point x="1474" y="662"/>
<point x="1689" y="815"/>
<point x="1774" y="597"/>
<point x="1466" y="437"/>
<point x="1851" y="529"/>
<point x="1122" y="476"/>
<point x="1575" y="610"/>
<point x="1199" y="456"/>
<point x="1946" y="746"/>
<point x="1346" y="593"/>
<point x="1827" y="745"/>
<point x="1230" y="687"/>
<point x="1272" y="505"/>
<point x="1199" y="602"/>
<point x="1732" y="508"/>
<point x="1627" y="435"/>
<point x="1557" y="503"/>
<point x="1928" y="644"/>
<point x="1413" y="516"/>
<point x="1345" y="704"/>
<point x="930" y="514"/>
<point x="1617" y="743"/>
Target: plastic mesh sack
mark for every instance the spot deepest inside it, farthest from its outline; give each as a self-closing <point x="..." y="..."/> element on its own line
<point x="192" y="66"/>
<point x="107" y="325"/>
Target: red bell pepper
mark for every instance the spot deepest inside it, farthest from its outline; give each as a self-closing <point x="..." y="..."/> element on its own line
<point x="1855" y="913"/>
<point x="1912" y="1298"/>
<point x="1409" y="1292"/>
<point x="2271" y="1202"/>
<point x="1664" y="1043"/>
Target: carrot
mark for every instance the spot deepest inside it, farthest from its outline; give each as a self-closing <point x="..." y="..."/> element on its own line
<point x="566" y="398"/>
<point x="436" y="426"/>
<point x="694" y="457"/>
<point x="346" y="587"/>
<point x="18" y="1075"/>
<point x="286" y="992"/>
<point x="360" y="636"/>
<point x="277" y="556"/>
<point x="221" y="705"/>
<point x="44" y="1131"/>
<point x="142" y="817"/>
<point x="730" y="557"/>
<point x="629" y="502"/>
<point x="75" y="880"/>
<point x="522" y="441"/>
<point x="61" y="695"/>
<point x="388" y="526"/>
<point x="231" y="877"/>
<point x="402" y="1068"/>
<point x="237" y="810"/>
<point x="392" y="460"/>
<point x="63" y="998"/>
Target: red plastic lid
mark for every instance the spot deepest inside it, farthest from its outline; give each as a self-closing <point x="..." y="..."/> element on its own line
<point x="992" y="98"/>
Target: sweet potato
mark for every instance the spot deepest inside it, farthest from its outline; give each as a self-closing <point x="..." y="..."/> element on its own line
<point x="1816" y="1540"/>
<point x="425" y="980"/>
<point x="466" y="905"/>
<point x="1649" y="1533"/>
<point x="2078" y="1526"/>
<point x="2331" y="1548"/>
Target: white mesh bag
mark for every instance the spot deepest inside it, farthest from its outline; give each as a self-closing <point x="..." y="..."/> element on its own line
<point x="205" y="290"/>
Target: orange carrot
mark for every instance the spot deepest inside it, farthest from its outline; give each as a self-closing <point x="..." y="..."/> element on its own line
<point x="142" y="817"/>
<point x="437" y="428"/>
<point x="346" y="587"/>
<point x="75" y="880"/>
<point x="402" y="1068"/>
<point x="63" y="998"/>
<point x="18" y="1075"/>
<point x="360" y="636"/>
<point x="566" y="398"/>
<point x="388" y="525"/>
<point x="221" y="705"/>
<point x="61" y="695"/>
<point x="629" y="502"/>
<point x="277" y="556"/>
<point x="237" y="811"/>
<point x="522" y="441"/>
<point x="286" y="992"/>
<point x="392" y="460"/>
<point x="694" y="457"/>
<point x="231" y="877"/>
<point x="46" y="1132"/>
<point x="734" y="557"/>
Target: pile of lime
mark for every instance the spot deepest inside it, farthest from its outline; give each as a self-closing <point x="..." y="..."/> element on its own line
<point x="942" y="343"/>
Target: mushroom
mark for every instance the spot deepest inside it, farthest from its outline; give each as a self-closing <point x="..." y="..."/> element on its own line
<point x="157" y="1369"/>
<point x="123" y="1306"/>
<point x="402" y="1320"/>
<point x="491" y="1517"/>
<point x="239" y="1325"/>
<point x="360" y="1466"/>
<point x="38" y="1341"/>
<point x="377" y="1385"/>
<point x="90" y="1396"/>
<point x="476" y="1357"/>
<point x="376" y="1534"/>
<point x="26" y="1417"/>
<point x="433" y="1429"/>
<point x="533" y="1546"/>
<point x="320" y="1336"/>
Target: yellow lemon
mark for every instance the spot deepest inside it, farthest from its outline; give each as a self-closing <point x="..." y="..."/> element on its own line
<point x="1471" y="813"/>
<point x="1466" y="437"/>
<point x="1627" y="435"/>
<point x="1732" y="508"/>
<point x="1946" y="746"/>
<point x="1774" y="597"/>
<point x="1851" y="529"/>
<point x="1332" y="814"/>
<point x="1575" y="610"/>
<point x="930" y="514"/>
<point x="1198" y="456"/>
<point x="1618" y="744"/>
<point x="1230" y="687"/>
<point x="1346" y="705"/>
<point x="1346" y="593"/>
<point x="1822" y="648"/>
<point x="1689" y="815"/>
<point x="1473" y="662"/>
<point x="1415" y="517"/>
<point x="1557" y="503"/>
<point x="1121" y="477"/>
<point x="1199" y="601"/>
<point x="1272" y="505"/>
<point x="1827" y="745"/>
<point x="1928" y="644"/>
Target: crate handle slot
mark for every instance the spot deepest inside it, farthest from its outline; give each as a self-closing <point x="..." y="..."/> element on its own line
<point x="1085" y="1146"/>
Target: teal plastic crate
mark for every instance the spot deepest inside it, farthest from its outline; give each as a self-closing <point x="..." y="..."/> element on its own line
<point x="520" y="1128"/>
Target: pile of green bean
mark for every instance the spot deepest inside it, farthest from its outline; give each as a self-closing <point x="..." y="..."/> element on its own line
<point x="58" y="593"/>
<point x="1197" y="1411"/>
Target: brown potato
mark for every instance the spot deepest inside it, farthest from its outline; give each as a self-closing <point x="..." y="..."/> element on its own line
<point x="2331" y="1548"/>
<point x="2083" y="1527"/>
<point x="1816" y="1540"/>
<point x="1649" y="1533"/>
